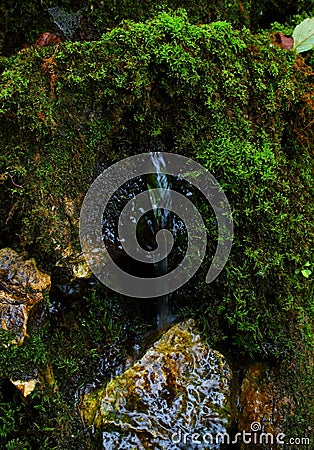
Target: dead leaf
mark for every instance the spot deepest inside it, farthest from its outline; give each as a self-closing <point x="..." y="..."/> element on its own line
<point x="284" y="42"/>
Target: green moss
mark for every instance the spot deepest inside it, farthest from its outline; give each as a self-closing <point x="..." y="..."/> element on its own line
<point x="232" y="100"/>
<point x="64" y="357"/>
<point x="19" y="361"/>
<point x="21" y="23"/>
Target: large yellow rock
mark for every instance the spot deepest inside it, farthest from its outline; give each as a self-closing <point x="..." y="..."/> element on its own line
<point x="21" y="288"/>
<point x="179" y="386"/>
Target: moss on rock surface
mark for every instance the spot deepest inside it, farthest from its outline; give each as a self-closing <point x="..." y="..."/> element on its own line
<point x="21" y="23"/>
<point x="231" y="100"/>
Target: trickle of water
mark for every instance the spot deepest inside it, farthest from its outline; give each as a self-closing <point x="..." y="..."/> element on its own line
<point x="161" y="182"/>
<point x="159" y="185"/>
<point x="164" y="219"/>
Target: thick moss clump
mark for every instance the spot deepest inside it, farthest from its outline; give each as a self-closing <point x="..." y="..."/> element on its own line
<point x="235" y="102"/>
<point x="21" y="22"/>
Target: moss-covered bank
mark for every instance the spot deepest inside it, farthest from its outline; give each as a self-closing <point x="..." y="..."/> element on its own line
<point x="22" y="22"/>
<point x="232" y="100"/>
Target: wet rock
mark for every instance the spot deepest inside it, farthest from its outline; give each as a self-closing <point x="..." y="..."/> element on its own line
<point x="179" y="387"/>
<point x="264" y="407"/>
<point x="81" y="269"/>
<point x="21" y="289"/>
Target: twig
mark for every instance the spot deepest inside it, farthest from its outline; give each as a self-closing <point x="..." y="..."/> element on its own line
<point x="13" y="182"/>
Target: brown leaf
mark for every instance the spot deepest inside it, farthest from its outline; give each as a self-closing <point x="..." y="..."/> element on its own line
<point x="284" y="41"/>
<point x="47" y="38"/>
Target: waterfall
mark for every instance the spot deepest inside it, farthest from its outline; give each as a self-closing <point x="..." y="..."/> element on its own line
<point x="157" y="219"/>
<point x="164" y="219"/>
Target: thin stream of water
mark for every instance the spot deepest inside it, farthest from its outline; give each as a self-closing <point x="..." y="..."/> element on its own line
<point x="164" y="220"/>
<point x="156" y="220"/>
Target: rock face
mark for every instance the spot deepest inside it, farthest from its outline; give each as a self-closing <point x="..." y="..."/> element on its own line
<point x="22" y="286"/>
<point x="178" y="388"/>
<point x="264" y="407"/>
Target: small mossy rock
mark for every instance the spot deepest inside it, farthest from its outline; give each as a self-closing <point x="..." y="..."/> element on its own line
<point x="263" y="404"/>
<point x="22" y="286"/>
<point x="81" y="269"/>
<point x="179" y="384"/>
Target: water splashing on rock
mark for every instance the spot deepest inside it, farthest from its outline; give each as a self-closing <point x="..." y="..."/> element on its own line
<point x="180" y="387"/>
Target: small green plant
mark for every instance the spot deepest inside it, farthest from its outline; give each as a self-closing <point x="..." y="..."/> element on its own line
<point x="303" y="36"/>
<point x="17" y="444"/>
<point x="7" y="421"/>
<point x="305" y="271"/>
<point x="20" y="360"/>
<point x="102" y="323"/>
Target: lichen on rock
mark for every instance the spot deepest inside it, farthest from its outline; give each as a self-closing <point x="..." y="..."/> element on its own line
<point x="179" y="386"/>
